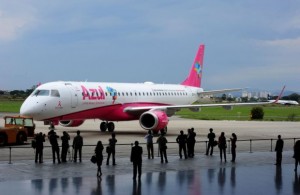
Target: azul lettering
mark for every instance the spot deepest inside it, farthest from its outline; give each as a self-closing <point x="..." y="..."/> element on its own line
<point x="92" y="94"/>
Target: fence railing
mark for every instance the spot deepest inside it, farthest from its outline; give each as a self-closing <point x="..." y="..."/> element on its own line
<point x="7" y="153"/>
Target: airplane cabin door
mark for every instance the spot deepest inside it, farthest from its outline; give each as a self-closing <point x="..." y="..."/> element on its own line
<point x="74" y="96"/>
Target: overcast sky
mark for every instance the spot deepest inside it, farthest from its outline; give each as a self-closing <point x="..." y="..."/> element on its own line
<point x="248" y="43"/>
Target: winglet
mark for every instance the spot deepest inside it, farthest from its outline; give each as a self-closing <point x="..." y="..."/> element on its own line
<point x="279" y="96"/>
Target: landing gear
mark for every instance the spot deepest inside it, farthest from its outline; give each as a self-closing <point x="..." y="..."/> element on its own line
<point x="103" y="126"/>
<point x="164" y="130"/>
<point x="110" y="126"/>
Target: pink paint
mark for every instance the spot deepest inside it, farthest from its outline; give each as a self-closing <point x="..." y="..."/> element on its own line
<point x="107" y="113"/>
<point x="92" y="94"/>
<point x="195" y="75"/>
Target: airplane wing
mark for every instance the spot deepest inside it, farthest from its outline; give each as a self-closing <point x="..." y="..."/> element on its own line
<point x="171" y="109"/>
<point x="202" y="93"/>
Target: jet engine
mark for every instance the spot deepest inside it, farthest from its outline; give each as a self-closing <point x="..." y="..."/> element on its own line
<point x="71" y="123"/>
<point x="154" y="120"/>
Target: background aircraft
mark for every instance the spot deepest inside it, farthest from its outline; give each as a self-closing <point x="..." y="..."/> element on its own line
<point x="70" y="103"/>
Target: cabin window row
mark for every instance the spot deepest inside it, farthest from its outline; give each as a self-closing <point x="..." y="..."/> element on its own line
<point x="139" y="94"/>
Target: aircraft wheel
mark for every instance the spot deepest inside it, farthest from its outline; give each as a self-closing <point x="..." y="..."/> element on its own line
<point x="111" y="126"/>
<point x="3" y="139"/>
<point x="21" y="138"/>
<point x="103" y="126"/>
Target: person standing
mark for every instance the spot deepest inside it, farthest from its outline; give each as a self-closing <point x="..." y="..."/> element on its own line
<point x="55" y="148"/>
<point x="39" y="147"/>
<point x="162" y="144"/>
<point x="64" y="146"/>
<point x="112" y="147"/>
<point x="77" y="146"/>
<point x="149" y="139"/>
<point x="99" y="157"/>
<point x="297" y="154"/>
<point x="278" y="150"/>
<point x="191" y="142"/>
<point x="222" y="146"/>
<point x="181" y="140"/>
<point x="136" y="159"/>
<point x="233" y="146"/>
<point x="211" y="139"/>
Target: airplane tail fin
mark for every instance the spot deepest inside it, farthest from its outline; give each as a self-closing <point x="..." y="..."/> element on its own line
<point x="195" y="75"/>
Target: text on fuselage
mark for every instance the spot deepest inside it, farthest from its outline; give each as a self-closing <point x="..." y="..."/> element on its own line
<point x="92" y="93"/>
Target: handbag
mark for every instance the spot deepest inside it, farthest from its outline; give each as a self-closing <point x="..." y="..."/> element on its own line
<point x="94" y="159"/>
<point x="108" y="150"/>
<point x="215" y="143"/>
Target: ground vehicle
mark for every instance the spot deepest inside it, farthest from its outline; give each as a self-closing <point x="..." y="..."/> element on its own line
<point x="16" y="130"/>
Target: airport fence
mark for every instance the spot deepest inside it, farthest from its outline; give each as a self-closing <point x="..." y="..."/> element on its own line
<point x="12" y="154"/>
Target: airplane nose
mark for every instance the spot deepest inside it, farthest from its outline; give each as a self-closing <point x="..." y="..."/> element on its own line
<point x="25" y="109"/>
<point x="28" y="109"/>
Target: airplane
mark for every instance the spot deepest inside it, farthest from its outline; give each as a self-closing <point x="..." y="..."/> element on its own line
<point x="70" y="103"/>
<point x="285" y="102"/>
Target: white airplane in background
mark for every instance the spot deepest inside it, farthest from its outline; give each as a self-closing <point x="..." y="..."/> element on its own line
<point x="285" y="102"/>
<point x="71" y="103"/>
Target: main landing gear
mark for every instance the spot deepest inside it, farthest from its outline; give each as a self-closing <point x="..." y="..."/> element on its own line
<point x="110" y="126"/>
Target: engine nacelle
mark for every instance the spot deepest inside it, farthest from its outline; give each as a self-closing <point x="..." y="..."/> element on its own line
<point x="154" y="120"/>
<point x="71" y="123"/>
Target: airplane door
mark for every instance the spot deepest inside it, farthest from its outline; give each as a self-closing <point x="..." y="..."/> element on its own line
<point x="74" y="96"/>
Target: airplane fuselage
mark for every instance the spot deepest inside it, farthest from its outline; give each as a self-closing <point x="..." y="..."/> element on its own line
<point x="106" y="101"/>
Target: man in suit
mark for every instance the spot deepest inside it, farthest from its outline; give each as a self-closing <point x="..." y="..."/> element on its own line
<point x="136" y="159"/>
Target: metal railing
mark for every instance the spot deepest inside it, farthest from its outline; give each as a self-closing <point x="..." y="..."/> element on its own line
<point x="245" y="145"/>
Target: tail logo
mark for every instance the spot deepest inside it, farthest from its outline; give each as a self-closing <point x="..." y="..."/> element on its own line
<point x="198" y="69"/>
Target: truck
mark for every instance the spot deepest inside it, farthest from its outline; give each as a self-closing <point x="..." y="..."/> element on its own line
<point x="16" y="130"/>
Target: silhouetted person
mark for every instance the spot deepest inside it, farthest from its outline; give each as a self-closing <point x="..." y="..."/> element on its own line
<point x="162" y="144"/>
<point x="136" y="159"/>
<point x="55" y="148"/>
<point x="149" y="139"/>
<point x="278" y="150"/>
<point x="39" y="147"/>
<point x="181" y="140"/>
<point x="233" y="146"/>
<point x="77" y="146"/>
<point x="112" y="145"/>
<point x="297" y="154"/>
<point x="191" y="140"/>
<point x="64" y="146"/>
<point x="222" y="146"/>
<point x="211" y="138"/>
<point x="99" y="157"/>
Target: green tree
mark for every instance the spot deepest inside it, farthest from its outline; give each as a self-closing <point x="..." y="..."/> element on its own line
<point x="257" y="113"/>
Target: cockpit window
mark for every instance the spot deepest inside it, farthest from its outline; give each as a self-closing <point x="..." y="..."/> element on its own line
<point x="41" y="92"/>
<point x="55" y="93"/>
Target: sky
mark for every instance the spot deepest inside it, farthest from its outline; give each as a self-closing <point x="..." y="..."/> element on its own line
<point x="248" y="43"/>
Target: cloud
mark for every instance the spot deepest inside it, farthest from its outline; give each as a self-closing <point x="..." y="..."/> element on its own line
<point x="15" y="21"/>
<point x="288" y="42"/>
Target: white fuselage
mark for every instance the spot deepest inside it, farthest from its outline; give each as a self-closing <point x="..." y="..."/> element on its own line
<point x="106" y="101"/>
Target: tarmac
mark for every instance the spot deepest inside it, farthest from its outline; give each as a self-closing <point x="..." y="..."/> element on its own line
<point x="253" y="173"/>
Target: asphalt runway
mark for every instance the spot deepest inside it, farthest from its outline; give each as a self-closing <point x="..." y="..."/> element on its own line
<point x="128" y="132"/>
<point x="253" y="173"/>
